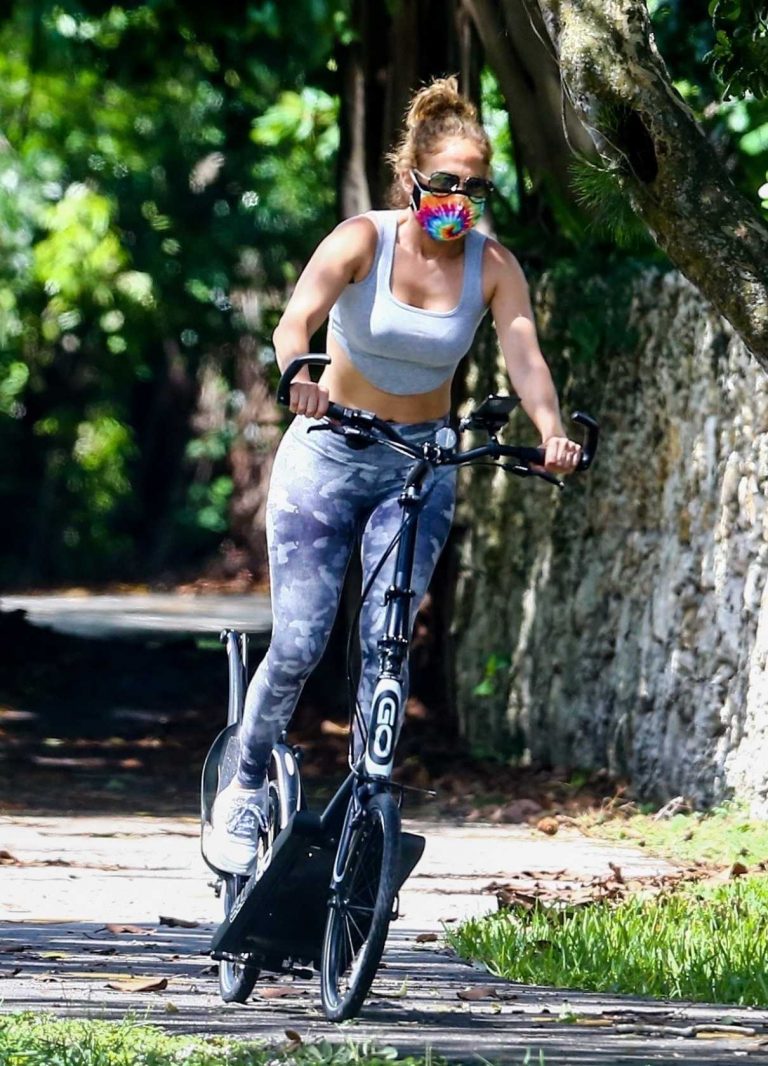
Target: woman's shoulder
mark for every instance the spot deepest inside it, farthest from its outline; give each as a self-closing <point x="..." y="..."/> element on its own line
<point x="496" y="255"/>
<point x="501" y="267"/>
<point x="355" y="235"/>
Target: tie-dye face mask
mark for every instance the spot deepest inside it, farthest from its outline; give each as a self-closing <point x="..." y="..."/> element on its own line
<point x="444" y="217"/>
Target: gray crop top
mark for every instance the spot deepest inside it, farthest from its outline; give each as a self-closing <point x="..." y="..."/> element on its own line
<point x="402" y="349"/>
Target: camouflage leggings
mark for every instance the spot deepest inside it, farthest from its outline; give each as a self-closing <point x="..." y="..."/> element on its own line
<point x="322" y="495"/>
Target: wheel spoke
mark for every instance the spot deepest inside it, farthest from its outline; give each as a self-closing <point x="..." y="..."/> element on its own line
<point x="349" y="952"/>
<point x="351" y="921"/>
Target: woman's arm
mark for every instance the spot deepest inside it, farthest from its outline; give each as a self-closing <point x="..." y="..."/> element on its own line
<point x="341" y="257"/>
<point x="528" y="372"/>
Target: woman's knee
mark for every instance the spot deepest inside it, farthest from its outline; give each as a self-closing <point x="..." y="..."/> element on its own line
<point x="290" y="661"/>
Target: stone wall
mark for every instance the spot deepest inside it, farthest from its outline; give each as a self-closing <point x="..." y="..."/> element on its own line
<point x="624" y="622"/>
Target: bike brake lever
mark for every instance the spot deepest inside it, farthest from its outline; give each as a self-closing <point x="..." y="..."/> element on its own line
<point x="355" y="438"/>
<point x="546" y="476"/>
<point x="525" y="471"/>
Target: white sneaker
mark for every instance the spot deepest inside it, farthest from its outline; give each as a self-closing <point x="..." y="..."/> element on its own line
<point x="237" y="815"/>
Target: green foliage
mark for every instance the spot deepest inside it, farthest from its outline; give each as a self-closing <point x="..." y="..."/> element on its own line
<point x="601" y="189"/>
<point x="701" y="944"/>
<point x="740" y="53"/>
<point x="720" y="79"/>
<point x="32" y="1039"/>
<point x="496" y="671"/>
<point x="163" y="173"/>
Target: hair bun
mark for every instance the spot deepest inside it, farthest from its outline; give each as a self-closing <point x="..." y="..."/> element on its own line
<point x="441" y="97"/>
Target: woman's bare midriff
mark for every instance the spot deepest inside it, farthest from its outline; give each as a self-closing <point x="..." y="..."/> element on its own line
<point x="347" y="386"/>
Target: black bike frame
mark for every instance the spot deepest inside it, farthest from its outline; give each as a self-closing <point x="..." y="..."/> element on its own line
<point x="380" y="736"/>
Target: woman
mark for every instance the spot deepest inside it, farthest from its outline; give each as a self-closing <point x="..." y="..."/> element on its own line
<point x="405" y="291"/>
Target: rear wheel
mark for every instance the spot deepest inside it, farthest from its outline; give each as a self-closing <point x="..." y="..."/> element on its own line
<point x="360" y="910"/>
<point x="236" y="979"/>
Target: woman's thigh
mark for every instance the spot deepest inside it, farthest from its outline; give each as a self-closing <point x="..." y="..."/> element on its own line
<point x="311" y="532"/>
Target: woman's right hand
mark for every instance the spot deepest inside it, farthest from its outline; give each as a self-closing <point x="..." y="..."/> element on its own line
<point x="308" y="398"/>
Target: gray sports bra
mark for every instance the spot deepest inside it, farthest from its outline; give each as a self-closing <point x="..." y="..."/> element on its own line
<point x="402" y="349"/>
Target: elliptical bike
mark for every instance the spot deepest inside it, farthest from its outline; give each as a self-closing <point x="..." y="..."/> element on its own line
<point x="324" y="886"/>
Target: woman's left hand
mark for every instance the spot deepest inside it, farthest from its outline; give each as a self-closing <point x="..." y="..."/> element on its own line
<point x="562" y="455"/>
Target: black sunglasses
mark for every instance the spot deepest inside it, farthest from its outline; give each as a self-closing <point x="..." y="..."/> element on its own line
<point x="442" y="183"/>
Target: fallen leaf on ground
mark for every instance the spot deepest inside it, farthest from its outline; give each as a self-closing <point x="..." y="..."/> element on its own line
<point x="547" y="825"/>
<point x="6" y="859"/>
<point x="171" y="1008"/>
<point x="333" y="729"/>
<point x="476" y="992"/>
<point x="139" y="984"/>
<point x="113" y="927"/>
<point x="178" y="923"/>
<point x="508" y="896"/>
<point x="277" y="992"/>
<point x="294" y="1038"/>
<point x="738" y="869"/>
<point x="426" y="938"/>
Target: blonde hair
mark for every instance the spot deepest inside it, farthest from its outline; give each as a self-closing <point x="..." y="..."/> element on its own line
<point x="435" y="113"/>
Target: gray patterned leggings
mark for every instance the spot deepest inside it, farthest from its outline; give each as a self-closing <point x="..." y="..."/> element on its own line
<point x="322" y="494"/>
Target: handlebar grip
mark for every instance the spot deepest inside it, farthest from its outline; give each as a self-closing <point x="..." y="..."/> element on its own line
<point x="290" y="372"/>
<point x="589" y="447"/>
<point x="531" y="455"/>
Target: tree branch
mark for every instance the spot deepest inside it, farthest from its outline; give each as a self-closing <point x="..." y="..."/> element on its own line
<point x="530" y="84"/>
<point x="643" y="129"/>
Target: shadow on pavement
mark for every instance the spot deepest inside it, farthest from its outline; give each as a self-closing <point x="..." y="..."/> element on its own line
<point x="415" y="1001"/>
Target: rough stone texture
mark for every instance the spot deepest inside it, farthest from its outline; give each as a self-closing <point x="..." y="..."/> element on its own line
<point x="633" y="608"/>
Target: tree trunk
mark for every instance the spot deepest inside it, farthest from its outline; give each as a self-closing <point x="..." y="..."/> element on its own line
<point x="543" y="125"/>
<point x="398" y="48"/>
<point x="646" y="134"/>
<point x="354" y="196"/>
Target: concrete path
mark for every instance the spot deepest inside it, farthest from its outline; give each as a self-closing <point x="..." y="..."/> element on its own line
<point x="155" y="615"/>
<point x="81" y="873"/>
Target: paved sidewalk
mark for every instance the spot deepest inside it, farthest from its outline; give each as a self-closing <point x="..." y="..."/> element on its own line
<point x="142" y="615"/>
<point x="86" y="872"/>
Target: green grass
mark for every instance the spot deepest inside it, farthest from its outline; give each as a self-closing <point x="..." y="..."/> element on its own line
<point x="705" y="944"/>
<point x="40" y="1040"/>
<point x="723" y="835"/>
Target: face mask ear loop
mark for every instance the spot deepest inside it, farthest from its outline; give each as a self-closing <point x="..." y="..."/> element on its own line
<point x="415" y="197"/>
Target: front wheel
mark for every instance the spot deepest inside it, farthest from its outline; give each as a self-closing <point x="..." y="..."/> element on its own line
<point x="360" y="910"/>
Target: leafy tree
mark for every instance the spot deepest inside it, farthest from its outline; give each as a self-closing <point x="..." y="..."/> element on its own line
<point x="161" y="174"/>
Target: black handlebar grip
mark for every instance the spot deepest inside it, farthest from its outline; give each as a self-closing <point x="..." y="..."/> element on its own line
<point x="290" y="372"/>
<point x="589" y="446"/>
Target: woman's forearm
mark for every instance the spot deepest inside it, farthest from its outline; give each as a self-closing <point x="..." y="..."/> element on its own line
<point x="290" y="339"/>
<point x="538" y="399"/>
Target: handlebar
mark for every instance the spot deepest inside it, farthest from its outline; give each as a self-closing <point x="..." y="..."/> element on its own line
<point x="362" y="422"/>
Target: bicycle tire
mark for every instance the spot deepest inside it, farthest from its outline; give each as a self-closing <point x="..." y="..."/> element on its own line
<point x="360" y="911"/>
<point x="236" y="979"/>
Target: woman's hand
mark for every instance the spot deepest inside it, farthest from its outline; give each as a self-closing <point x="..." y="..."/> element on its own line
<point x="308" y="398"/>
<point x="561" y="455"/>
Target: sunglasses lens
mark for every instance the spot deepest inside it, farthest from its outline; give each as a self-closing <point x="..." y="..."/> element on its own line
<point x="478" y="188"/>
<point x="442" y="183"/>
